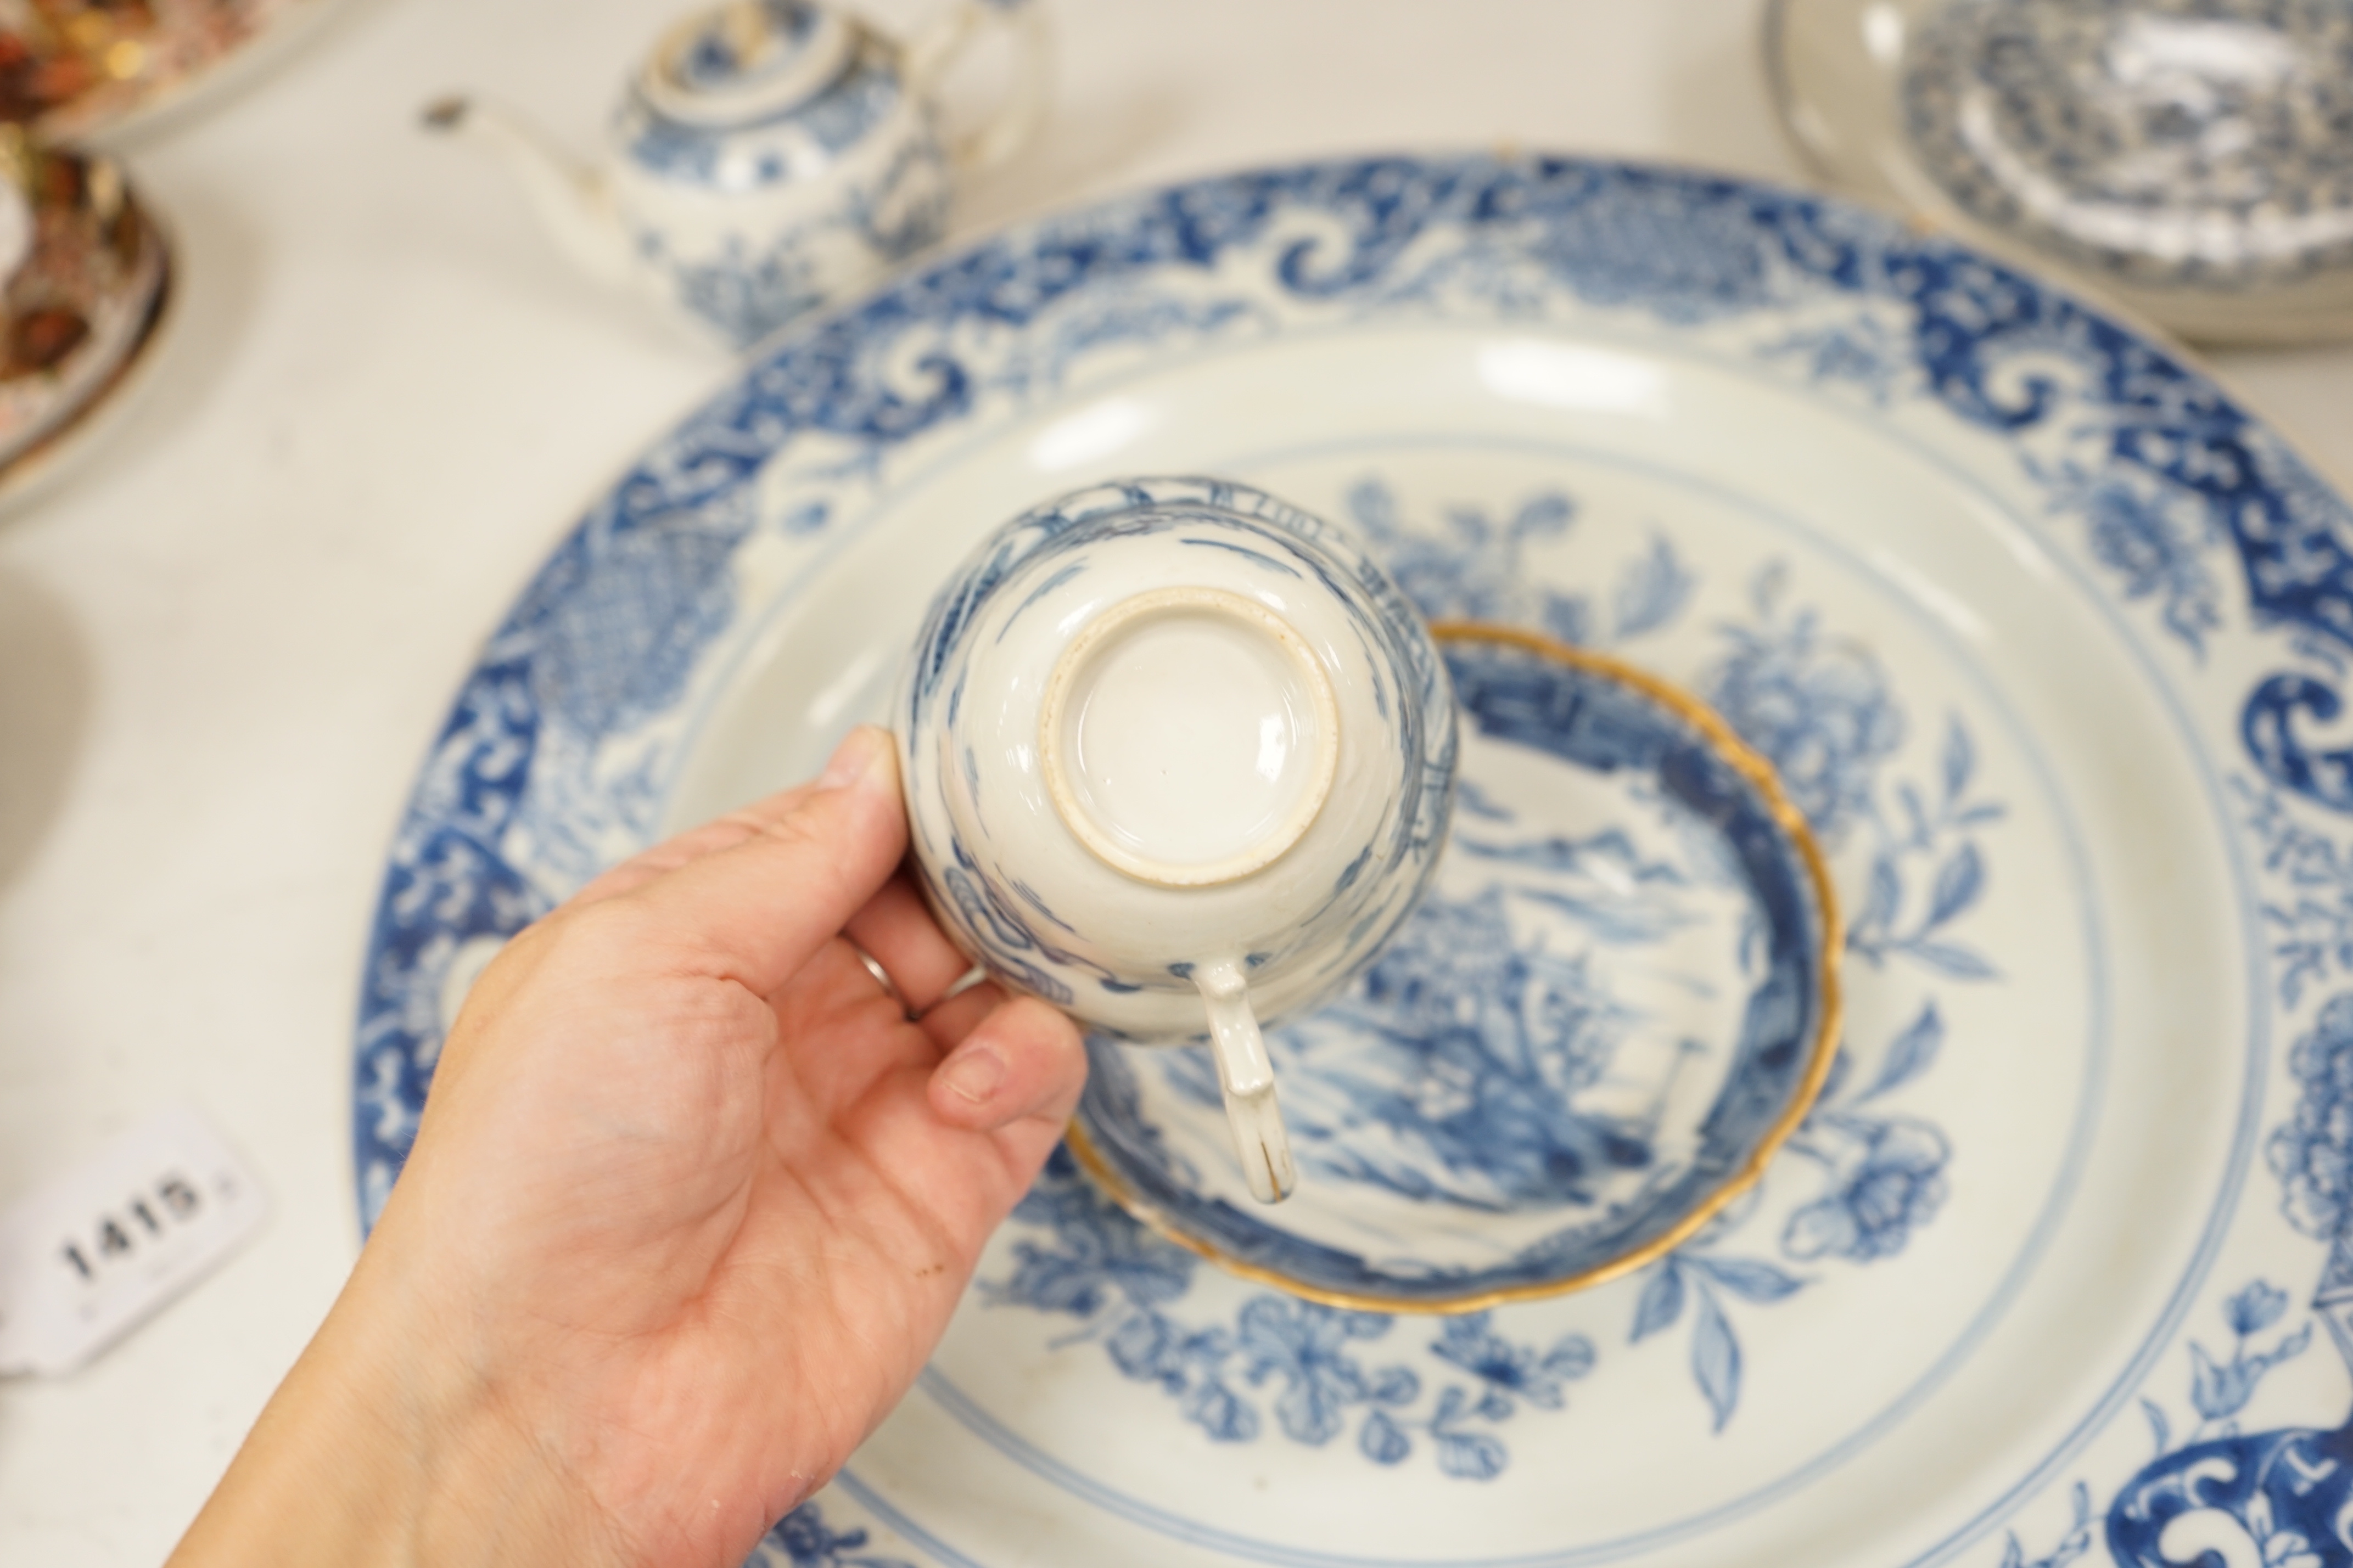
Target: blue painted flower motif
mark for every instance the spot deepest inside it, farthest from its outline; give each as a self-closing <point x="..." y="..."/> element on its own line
<point x="1508" y="1372"/>
<point x="1306" y="1346"/>
<point x="1895" y="1187"/>
<point x="2156" y="552"/>
<point x="1311" y="1356"/>
<point x="2312" y="1152"/>
<point x="2312" y="918"/>
<point x="1818" y="709"/>
<point x="802" y="1539"/>
<point x="2255" y="1309"/>
<point x="1475" y="567"/>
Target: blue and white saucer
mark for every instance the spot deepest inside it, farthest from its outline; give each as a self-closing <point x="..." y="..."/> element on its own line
<point x="2193" y="157"/>
<point x="2048" y="638"/>
<point x="1617" y="998"/>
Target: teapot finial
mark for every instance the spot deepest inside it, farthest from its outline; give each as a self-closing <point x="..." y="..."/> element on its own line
<point x="747" y="61"/>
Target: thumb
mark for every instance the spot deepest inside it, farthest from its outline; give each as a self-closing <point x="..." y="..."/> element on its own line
<point x="760" y="908"/>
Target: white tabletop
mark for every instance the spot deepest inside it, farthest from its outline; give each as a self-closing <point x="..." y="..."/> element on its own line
<point x="225" y="643"/>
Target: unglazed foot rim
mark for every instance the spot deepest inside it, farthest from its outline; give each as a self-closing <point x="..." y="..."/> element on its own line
<point x="1095" y="638"/>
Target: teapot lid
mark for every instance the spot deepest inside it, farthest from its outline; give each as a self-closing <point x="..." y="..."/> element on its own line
<point x="747" y="60"/>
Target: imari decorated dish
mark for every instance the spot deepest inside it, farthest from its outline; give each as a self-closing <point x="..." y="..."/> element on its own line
<point x="1616" y="1001"/>
<point x="85" y="289"/>
<point x="2194" y="157"/>
<point x="2045" y="636"/>
<point x="74" y="69"/>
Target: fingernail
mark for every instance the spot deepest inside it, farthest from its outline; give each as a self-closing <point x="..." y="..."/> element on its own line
<point x="854" y="758"/>
<point x="973" y="1073"/>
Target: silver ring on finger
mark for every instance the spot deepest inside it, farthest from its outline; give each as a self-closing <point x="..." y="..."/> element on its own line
<point x="882" y="978"/>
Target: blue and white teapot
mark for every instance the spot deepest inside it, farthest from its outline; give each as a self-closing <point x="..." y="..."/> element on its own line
<point x="770" y="155"/>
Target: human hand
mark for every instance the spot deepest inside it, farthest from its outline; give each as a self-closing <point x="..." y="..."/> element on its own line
<point x="690" y="1202"/>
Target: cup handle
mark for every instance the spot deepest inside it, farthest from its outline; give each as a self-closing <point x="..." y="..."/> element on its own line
<point x="1247" y="1077"/>
<point x="935" y="47"/>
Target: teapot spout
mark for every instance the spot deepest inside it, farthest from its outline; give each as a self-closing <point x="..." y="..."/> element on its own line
<point x="572" y="203"/>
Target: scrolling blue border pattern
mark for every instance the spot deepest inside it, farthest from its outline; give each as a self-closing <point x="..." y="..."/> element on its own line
<point x="552" y="760"/>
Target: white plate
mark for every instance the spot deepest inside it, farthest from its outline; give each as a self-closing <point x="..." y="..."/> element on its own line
<point x="2194" y="158"/>
<point x="2042" y="632"/>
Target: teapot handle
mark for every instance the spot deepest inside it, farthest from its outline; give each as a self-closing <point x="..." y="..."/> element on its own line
<point x="934" y="47"/>
<point x="1247" y="1078"/>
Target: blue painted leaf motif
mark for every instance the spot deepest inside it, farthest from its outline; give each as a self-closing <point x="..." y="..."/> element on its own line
<point x="1961" y="759"/>
<point x="1310" y="1411"/>
<point x="2217" y="1390"/>
<point x="2160" y="1428"/>
<point x="1225" y="1415"/>
<point x="1395" y="1385"/>
<point x="1567" y="617"/>
<point x="1572" y="1357"/>
<point x="1544" y="516"/>
<point x="1881" y="896"/>
<point x="1382" y="1440"/>
<point x="2074" y="1544"/>
<point x="1139" y="1348"/>
<point x="1653" y="591"/>
<point x="1959" y="880"/>
<point x="1913" y="1053"/>
<point x="1915" y="813"/>
<point x="1471" y="1455"/>
<point x="1716" y="1360"/>
<point x="1750" y="1278"/>
<point x="1662" y="1300"/>
<point x="1954" y="960"/>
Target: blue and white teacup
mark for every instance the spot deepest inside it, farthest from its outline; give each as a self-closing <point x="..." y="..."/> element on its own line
<point x="1178" y="757"/>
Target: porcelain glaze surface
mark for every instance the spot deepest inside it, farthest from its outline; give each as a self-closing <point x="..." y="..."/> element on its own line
<point x="2191" y="157"/>
<point x="2006" y="594"/>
